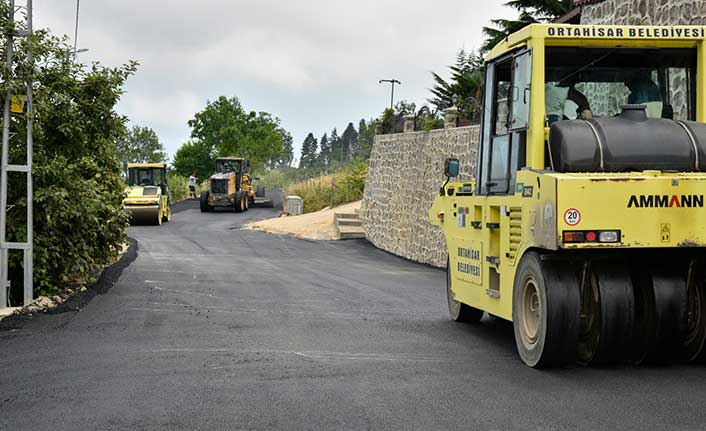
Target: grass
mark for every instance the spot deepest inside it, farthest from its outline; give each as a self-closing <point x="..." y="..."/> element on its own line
<point x="333" y="189"/>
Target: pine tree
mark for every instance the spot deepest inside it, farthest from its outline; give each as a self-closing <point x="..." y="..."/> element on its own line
<point x="349" y="143"/>
<point x="325" y="153"/>
<point x="531" y="11"/>
<point x="366" y="137"/>
<point x="335" y="145"/>
<point x="463" y="88"/>
<point x="308" y="158"/>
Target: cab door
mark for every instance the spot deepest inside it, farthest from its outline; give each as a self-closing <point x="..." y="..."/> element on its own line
<point x="505" y="121"/>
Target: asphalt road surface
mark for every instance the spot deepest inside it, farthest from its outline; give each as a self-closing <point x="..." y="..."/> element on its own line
<point x="214" y="327"/>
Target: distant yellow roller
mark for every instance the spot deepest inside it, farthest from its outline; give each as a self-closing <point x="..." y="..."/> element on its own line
<point x="147" y="200"/>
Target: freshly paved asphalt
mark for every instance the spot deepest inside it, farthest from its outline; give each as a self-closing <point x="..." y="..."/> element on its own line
<point x="213" y="327"/>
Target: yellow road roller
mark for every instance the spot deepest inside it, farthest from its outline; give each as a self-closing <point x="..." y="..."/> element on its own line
<point x="147" y="195"/>
<point x="583" y="219"/>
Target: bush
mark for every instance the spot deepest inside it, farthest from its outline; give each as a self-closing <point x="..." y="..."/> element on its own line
<point x="334" y="189"/>
<point x="179" y="187"/>
<point x="79" y="223"/>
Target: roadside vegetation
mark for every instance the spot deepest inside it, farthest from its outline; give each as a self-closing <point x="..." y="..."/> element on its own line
<point x="179" y="186"/>
<point x="79" y="224"/>
<point x="331" y="190"/>
<point x="225" y="128"/>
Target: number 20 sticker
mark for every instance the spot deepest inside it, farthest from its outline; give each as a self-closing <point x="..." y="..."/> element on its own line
<point x="572" y="217"/>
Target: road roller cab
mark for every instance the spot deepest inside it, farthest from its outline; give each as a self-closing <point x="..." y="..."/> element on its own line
<point x="148" y="199"/>
<point x="230" y="186"/>
<point x="582" y="219"/>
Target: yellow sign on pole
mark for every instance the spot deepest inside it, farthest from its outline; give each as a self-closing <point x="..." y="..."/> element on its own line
<point x="18" y="104"/>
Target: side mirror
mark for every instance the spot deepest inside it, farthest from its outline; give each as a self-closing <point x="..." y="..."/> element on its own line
<point x="256" y="178"/>
<point x="451" y="168"/>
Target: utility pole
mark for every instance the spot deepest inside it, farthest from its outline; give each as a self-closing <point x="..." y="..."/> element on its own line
<point x="392" y="96"/>
<point x="5" y="167"/>
<point x="78" y="2"/>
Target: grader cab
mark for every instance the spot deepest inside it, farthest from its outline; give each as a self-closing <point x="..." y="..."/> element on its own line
<point x="148" y="199"/>
<point x="585" y="222"/>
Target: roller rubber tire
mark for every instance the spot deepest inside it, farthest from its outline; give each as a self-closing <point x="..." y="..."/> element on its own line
<point x="205" y="207"/>
<point x="545" y="312"/>
<point x="695" y="342"/>
<point x="459" y="312"/>
<point x="610" y="337"/>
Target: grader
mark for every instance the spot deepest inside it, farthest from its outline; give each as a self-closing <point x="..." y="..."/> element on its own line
<point x="585" y="223"/>
<point x="229" y="187"/>
<point x="147" y="197"/>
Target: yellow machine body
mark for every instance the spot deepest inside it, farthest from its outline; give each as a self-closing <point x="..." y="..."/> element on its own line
<point x="230" y="186"/>
<point x="147" y="197"/>
<point x="552" y="213"/>
<point x="487" y="235"/>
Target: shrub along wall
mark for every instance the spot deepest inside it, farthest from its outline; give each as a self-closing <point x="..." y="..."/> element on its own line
<point x="404" y="175"/>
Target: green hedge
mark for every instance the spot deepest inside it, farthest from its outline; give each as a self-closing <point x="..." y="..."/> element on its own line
<point x="79" y="223"/>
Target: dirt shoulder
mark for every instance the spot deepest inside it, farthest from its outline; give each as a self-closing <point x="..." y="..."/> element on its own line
<point x="318" y="225"/>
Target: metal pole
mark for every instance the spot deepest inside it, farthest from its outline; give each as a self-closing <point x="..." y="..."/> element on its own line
<point x="76" y="29"/>
<point x="3" y="165"/>
<point x="29" y="252"/>
<point x="392" y="96"/>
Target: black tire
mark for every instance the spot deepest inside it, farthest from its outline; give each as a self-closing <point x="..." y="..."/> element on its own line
<point x="695" y="342"/>
<point x="205" y="207"/>
<point x="459" y="312"/>
<point x="670" y="316"/>
<point x="545" y="312"/>
<point x="238" y="202"/>
<point x="608" y="303"/>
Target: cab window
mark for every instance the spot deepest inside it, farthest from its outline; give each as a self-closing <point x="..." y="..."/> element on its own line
<point x="506" y="118"/>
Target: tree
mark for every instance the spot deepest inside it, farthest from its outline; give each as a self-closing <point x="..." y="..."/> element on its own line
<point x="309" y="156"/>
<point x="325" y="151"/>
<point x="226" y="128"/>
<point x="366" y="137"/>
<point x="463" y="88"/>
<point x="286" y="157"/>
<point x="141" y="145"/>
<point x="349" y="143"/>
<point x="194" y="156"/>
<point x="531" y="11"/>
<point x="79" y="223"/>
<point x="335" y="143"/>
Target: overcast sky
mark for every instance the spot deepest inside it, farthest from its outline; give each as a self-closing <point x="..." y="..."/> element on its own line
<point x="315" y="64"/>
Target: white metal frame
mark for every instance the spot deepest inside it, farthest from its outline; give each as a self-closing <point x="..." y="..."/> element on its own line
<point x="5" y="246"/>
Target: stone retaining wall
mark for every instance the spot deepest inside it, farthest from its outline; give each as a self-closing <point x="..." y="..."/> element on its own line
<point x="404" y="176"/>
<point x="645" y="12"/>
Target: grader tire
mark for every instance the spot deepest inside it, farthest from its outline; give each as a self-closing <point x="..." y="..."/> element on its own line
<point x="545" y="312"/>
<point x="460" y="312"/>
<point x="238" y="202"/>
<point x="205" y="207"/>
